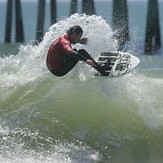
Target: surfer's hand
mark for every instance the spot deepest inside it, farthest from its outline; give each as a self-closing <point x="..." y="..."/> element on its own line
<point x="91" y="63"/>
<point x="83" y="40"/>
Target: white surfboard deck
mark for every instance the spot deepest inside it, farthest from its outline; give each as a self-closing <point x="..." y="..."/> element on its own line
<point x="121" y="63"/>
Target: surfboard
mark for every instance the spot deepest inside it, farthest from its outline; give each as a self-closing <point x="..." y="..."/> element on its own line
<point x="119" y="63"/>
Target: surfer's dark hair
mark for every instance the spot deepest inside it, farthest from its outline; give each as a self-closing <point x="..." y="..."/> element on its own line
<point x="74" y="29"/>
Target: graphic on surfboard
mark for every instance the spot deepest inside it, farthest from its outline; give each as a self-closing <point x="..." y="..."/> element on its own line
<point x="119" y="63"/>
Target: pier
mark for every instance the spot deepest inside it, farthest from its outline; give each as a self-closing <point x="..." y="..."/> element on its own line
<point x="120" y="20"/>
<point x="152" y="37"/>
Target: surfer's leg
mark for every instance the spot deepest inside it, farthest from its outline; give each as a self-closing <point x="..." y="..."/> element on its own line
<point x="67" y="66"/>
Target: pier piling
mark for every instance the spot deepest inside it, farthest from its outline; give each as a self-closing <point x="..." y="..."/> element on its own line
<point x="152" y="37"/>
<point x="53" y="7"/>
<point x="88" y="7"/>
<point x="40" y="22"/>
<point x="120" y="22"/>
<point x="74" y="4"/>
<point x="19" y="23"/>
<point x="8" y="21"/>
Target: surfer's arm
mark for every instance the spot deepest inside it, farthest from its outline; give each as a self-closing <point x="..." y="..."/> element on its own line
<point x="91" y="63"/>
<point x="77" y="55"/>
<point x="83" y="40"/>
<point x="80" y="57"/>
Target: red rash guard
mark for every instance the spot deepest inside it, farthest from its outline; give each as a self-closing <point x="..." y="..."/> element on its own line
<point x="57" y="52"/>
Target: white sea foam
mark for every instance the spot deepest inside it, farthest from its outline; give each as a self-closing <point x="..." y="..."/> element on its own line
<point x="29" y="63"/>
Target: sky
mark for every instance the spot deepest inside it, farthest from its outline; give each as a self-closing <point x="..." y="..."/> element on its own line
<point x="70" y="0"/>
<point x="79" y="0"/>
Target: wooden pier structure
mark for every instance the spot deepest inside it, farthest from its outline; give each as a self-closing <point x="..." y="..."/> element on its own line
<point x="119" y="21"/>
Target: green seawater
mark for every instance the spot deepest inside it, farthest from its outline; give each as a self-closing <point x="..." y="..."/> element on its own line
<point x="79" y="118"/>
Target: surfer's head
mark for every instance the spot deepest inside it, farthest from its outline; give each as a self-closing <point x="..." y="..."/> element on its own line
<point x="75" y="33"/>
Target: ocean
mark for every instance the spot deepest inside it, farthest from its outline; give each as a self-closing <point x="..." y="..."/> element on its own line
<point x="80" y="118"/>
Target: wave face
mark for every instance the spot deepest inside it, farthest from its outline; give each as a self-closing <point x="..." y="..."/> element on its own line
<point x="79" y="117"/>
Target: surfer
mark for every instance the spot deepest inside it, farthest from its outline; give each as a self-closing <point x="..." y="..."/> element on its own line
<point x="61" y="58"/>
